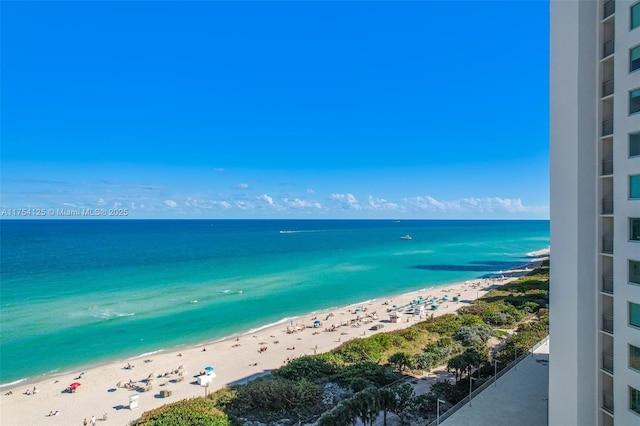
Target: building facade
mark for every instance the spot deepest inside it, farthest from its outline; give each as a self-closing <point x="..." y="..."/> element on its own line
<point x="595" y="213"/>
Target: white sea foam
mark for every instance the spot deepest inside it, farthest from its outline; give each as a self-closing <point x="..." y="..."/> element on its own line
<point x="300" y="231"/>
<point x="2" y="385"/>
<point x="146" y="354"/>
<point x="99" y="313"/>
<point x="282" y="321"/>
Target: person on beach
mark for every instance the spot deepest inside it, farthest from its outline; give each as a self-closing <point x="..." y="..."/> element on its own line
<point x="93" y="420"/>
<point x="85" y="422"/>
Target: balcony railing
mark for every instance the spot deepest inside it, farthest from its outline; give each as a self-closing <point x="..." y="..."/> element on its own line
<point x="607" y="402"/>
<point x="607" y="88"/>
<point x="609" y="9"/>
<point x="607" y="323"/>
<point x="608" y="48"/>
<point x="607" y="206"/>
<point x="607" y="245"/>
<point x="607" y="167"/>
<point x="607" y="284"/>
<point x="607" y="127"/>
<point x="607" y="362"/>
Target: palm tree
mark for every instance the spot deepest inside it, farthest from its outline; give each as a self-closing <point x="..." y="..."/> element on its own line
<point x="404" y="398"/>
<point x="458" y="363"/>
<point x="365" y="403"/>
<point x="341" y="414"/>
<point x="386" y="401"/>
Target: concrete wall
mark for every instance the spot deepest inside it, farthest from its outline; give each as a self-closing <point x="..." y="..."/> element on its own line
<point x="574" y="101"/>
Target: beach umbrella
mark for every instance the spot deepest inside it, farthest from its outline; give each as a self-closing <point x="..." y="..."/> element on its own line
<point x="74" y="385"/>
<point x="394" y="306"/>
<point x="208" y="368"/>
<point x="317" y="322"/>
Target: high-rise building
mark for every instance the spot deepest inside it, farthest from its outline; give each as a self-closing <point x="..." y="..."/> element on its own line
<point x="595" y="213"/>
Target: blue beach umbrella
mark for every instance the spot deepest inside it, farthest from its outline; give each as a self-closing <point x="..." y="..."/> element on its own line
<point x="208" y="368"/>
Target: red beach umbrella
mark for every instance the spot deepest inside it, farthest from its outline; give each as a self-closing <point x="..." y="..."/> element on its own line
<point x="74" y="385"/>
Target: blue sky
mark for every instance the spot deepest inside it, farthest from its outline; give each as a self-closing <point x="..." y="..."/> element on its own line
<point x="321" y="109"/>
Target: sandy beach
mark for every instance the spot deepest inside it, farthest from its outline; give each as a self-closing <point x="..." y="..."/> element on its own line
<point x="104" y="391"/>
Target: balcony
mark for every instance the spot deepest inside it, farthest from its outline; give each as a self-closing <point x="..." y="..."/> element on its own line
<point x="607" y="245"/>
<point x="607" y="284"/>
<point x="608" y="48"/>
<point x="609" y="9"/>
<point x="607" y="402"/>
<point x="607" y="208"/>
<point x="607" y="88"/>
<point x="607" y="127"/>
<point x="607" y="363"/>
<point x="607" y="167"/>
<point x="607" y="323"/>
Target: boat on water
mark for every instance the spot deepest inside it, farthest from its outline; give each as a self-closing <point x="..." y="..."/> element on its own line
<point x="406" y="237"/>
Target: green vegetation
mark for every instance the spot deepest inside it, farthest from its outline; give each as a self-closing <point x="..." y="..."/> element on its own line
<point x="365" y="376"/>
<point x="188" y="412"/>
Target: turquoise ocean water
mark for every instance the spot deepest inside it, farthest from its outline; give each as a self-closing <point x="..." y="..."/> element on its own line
<point x="81" y="292"/>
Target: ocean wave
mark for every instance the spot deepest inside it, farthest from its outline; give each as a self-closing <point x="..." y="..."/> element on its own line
<point x="2" y="385"/>
<point x="352" y="268"/>
<point x="100" y="313"/>
<point x="279" y="322"/>
<point x="146" y="354"/>
<point x="299" y="231"/>
<point x="410" y="252"/>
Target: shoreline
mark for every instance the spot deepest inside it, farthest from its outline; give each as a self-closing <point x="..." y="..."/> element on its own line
<point x="233" y="361"/>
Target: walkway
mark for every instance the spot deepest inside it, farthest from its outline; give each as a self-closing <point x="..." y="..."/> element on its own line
<point x="518" y="399"/>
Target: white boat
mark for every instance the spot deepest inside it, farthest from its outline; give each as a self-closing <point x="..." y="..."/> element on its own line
<point x="406" y="237"/>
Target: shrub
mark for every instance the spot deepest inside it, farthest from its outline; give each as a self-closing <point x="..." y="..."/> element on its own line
<point x="377" y="374"/>
<point x="188" y="412"/>
<point x="308" y="367"/>
<point x="358" y="383"/>
<point x="272" y="396"/>
<point x="222" y="397"/>
<point x="426" y="360"/>
<point x="470" y="336"/>
<point x="401" y="361"/>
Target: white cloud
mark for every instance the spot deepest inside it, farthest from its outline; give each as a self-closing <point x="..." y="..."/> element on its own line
<point x="101" y="202"/>
<point x="266" y="198"/>
<point x="170" y="203"/>
<point x="310" y="191"/>
<point x="347" y="201"/>
<point x="269" y="200"/>
<point x="223" y="204"/>
<point x="302" y="204"/>
<point x="382" y="204"/>
<point x="243" y="205"/>
<point x="474" y="205"/>
<point x="242" y="185"/>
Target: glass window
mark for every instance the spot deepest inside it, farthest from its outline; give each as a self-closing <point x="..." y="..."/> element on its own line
<point x="634" y="101"/>
<point x="634" y="61"/>
<point x="634" y="186"/>
<point x="634" y="399"/>
<point x="634" y="229"/>
<point x="635" y="15"/>
<point x="634" y="357"/>
<point x="634" y="144"/>
<point x="634" y="314"/>
<point x="634" y="271"/>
